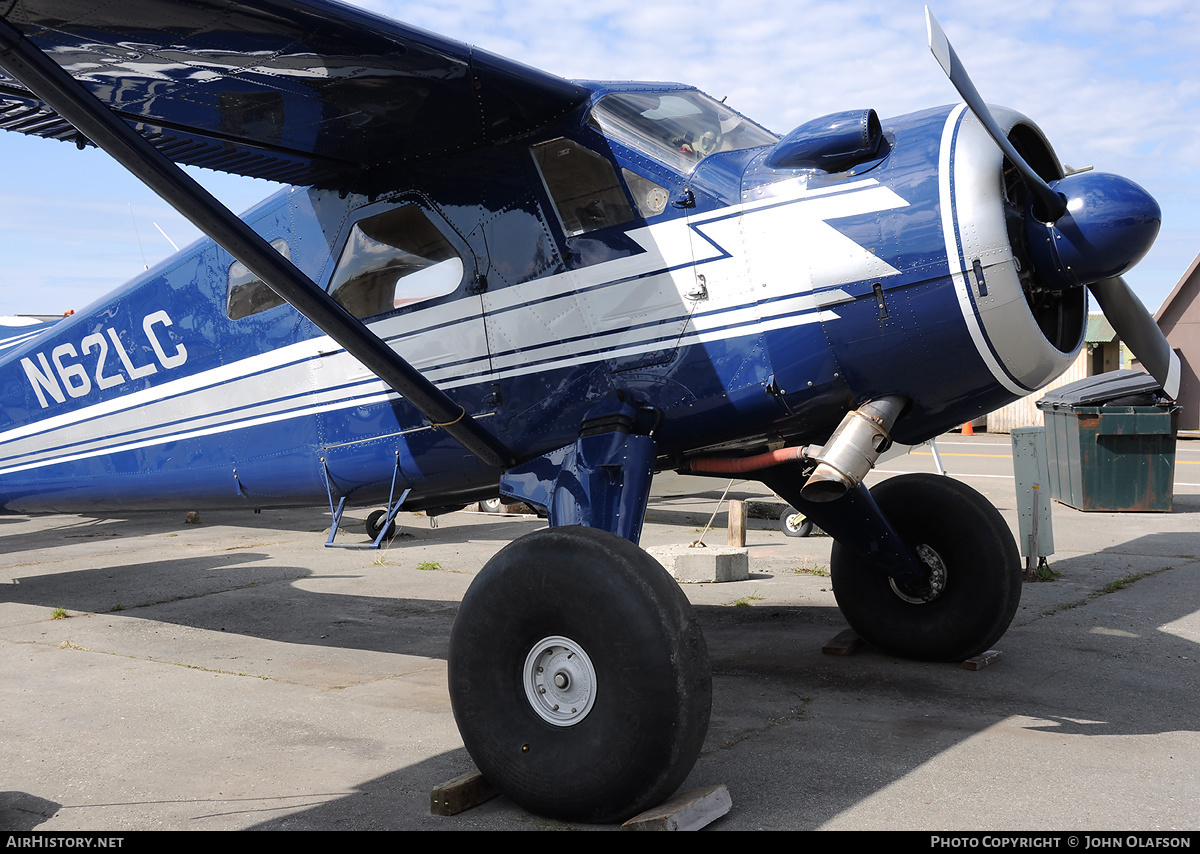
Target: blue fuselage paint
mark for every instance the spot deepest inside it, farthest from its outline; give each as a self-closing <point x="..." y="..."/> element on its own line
<point x="757" y="312"/>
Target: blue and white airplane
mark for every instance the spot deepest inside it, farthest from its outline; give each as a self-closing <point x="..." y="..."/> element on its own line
<point x="485" y="278"/>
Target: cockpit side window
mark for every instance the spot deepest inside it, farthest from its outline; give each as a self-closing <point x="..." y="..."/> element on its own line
<point x="679" y="128"/>
<point x="583" y="185"/>
<point x="247" y="294"/>
<point x="392" y="260"/>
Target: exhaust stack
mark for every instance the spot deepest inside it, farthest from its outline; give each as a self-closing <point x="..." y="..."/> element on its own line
<point x="853" y="448"/>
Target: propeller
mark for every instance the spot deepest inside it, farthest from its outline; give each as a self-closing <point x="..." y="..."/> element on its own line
<point x="1085" y="229"/>
<point x="1117" y="299"/>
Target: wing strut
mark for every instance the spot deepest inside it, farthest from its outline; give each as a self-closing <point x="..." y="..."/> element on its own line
<point x="62" y="93"/>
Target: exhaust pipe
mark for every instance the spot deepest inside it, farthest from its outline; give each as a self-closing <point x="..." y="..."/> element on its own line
<point x="853" y="448"/>
<point x="741" y="465"/>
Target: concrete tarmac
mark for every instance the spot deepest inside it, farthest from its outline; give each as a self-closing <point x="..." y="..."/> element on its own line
<point x="235" y="674"/>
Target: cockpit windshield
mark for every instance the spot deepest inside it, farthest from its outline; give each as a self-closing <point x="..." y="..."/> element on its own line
<point x="679" y="127"/>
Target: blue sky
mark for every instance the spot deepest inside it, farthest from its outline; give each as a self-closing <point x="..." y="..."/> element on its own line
<point x="1111" y="84"/>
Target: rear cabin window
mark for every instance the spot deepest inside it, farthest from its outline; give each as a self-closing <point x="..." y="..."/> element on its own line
<point x="247" y="294"/>
<point x="392" y="260"/>
<point x="583" y="185"/>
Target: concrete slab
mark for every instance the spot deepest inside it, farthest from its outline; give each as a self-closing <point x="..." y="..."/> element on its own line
<point x="701" y="565"/>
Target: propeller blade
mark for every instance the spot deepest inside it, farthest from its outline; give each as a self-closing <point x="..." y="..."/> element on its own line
<point x="1136" y="327"/>
<point x="1049" y="205"/>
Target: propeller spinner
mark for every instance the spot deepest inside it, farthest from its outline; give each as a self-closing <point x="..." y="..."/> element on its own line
<point x="1085" y="229"/>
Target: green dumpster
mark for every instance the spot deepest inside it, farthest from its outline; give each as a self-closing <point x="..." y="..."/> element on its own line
<point x="1110" y="457"/>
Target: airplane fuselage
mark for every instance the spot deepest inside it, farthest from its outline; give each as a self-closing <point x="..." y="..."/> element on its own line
<point x="737" y="305"/>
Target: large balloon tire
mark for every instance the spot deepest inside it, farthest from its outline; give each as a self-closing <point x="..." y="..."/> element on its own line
<point x="647" y="688"/>
<point x="945" y="522"/>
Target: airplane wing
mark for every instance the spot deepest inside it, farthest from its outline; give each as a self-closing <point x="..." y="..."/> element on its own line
<point x="297" y="91"/>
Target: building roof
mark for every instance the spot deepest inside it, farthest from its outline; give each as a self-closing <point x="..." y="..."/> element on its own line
<point x="1099" y="330"/>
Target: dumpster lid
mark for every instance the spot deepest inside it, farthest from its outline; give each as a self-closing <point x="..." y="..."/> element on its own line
<point x="1116" y="388"/>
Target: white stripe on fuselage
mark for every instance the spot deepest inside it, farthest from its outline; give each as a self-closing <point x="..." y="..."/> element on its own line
<point x="621" y="308"/>
<point x="801" y="244"/>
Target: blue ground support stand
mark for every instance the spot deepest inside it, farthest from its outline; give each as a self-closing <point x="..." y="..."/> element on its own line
<point x="393" y="507"/>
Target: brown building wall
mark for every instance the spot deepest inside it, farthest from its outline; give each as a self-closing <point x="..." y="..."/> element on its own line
<point x="1179" y="319"/>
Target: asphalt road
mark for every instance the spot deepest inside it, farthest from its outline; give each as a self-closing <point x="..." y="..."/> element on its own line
<point x="235" y="674"/>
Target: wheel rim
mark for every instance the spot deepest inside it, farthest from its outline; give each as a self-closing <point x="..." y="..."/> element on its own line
<point x="936" y="583"/>
<point x="795" y="521"/>
<point x="560" y="681"/>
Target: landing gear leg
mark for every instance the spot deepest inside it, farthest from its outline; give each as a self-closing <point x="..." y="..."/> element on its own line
<point x="579" y="676"/>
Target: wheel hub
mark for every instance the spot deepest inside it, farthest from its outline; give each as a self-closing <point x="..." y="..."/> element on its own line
<point x="560" y="681"/>
<point x="935" y="584"/>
